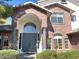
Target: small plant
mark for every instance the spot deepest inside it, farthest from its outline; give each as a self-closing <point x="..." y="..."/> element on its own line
<point x="8" y="54"/>
<point x="62" y="55"/>
<point x="68" y="55"/>
<point x="46" y="55"/>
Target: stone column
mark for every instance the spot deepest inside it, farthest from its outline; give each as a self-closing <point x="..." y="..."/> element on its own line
<point x="44" y="39"/>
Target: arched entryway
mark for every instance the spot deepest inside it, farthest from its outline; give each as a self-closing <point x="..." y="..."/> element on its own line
<point x="29" y="26"/>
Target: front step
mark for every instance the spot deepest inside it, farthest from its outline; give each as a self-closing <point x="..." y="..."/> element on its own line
<point x="27" y="56"/>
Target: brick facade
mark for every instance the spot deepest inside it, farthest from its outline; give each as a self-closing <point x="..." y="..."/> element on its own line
<point x="61" y="28"/>
<point x="44" y="20"/>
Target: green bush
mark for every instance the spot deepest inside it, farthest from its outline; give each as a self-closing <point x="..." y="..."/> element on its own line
<point x="46" y="55"/>
<point x="8" y="54"/>
<point x="68" y="55"/>
<point x="54" y="55"/>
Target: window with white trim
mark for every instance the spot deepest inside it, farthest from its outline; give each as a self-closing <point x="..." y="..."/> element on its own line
<point x="66" y="42"/>
<point x="57" y="18"/>
<point x="6" y="43"/>
<point x="73" y="18"/>
<point x="58" y="42"/>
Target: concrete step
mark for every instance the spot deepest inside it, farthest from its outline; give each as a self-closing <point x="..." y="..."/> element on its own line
<point x="27" y="56"/>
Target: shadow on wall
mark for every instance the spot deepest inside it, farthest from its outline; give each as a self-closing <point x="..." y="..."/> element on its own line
<point x="49" y="26"/>
<point x="74" y="40"/>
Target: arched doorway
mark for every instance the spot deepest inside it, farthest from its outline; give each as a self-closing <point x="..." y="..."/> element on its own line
<point x="29" y="32"/>
<point x="29" y="38"/>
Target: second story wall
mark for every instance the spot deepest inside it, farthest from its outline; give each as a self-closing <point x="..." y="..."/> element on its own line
<point x="62" y="28"/>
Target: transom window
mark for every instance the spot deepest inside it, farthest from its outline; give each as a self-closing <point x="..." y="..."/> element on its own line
<point x="57" y="18"/>
<point x="30" y="28"/>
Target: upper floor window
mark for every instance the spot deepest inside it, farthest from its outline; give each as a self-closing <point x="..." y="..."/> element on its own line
<point x="73" y="18"/>
<point x="63" y="1"/>
<point x="57" y="18"/>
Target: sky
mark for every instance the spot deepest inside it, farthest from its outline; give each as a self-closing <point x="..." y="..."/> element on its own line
<point x="20" y="2"/>
<point x="15" y="3"/>
<point x="28" y="29"/>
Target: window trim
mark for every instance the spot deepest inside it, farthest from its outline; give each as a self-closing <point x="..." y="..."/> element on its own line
<point x="65" y="43"/>
<point x="57" y="38"/>
<point x="57" y="18"/>
<point x="30" y="25"/>
<point x="73" y="18"/>
<point x="4" y="39"/>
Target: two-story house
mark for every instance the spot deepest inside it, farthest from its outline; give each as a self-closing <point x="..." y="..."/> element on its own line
<point x="38" y="27"/>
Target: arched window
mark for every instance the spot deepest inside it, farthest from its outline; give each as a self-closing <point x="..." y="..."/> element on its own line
<point x="57" y="41"/>
<point x="30" y="28"/>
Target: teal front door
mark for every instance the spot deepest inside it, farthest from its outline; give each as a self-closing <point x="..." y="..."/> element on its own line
<point x="29" y="41"/>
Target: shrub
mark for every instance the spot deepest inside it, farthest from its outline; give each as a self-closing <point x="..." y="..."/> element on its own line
<point x="8" y="54"/>
<point x="68" y="55"/>
<point x="46" y="55"/>
<point x="54" y="55"/>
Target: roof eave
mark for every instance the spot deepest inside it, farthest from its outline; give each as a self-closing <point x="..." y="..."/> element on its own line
<point x="71" y="11"/>
<point x="31" y="3"/>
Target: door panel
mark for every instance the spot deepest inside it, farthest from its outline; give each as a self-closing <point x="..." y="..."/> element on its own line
<point x="29" y="41"/>
<point x="0" y="41"/>
<point x="0" y="44"/>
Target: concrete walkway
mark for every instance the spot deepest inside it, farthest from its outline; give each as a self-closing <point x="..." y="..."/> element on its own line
<point x="27" y="56"/>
